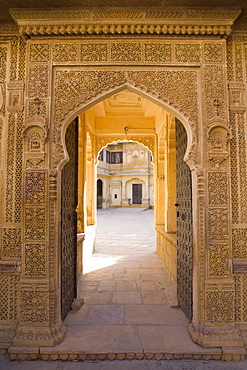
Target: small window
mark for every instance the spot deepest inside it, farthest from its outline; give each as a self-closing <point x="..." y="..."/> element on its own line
<point x="117" y="157"/>
<point x="100" y="156"/>
<point x="115" y="196"/>
<point x="108" y="157"/>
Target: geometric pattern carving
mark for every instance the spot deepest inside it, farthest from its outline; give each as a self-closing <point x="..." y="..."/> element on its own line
<point x="34" y="303"/>
<point x="158" y="52"/>
<point x="66" y="53"/>
<point x="187" y="53"/>
<point x="126" y="52"/>
<point x="239" y="242"/>
<point x="35" y="223"/>
<point x="9" y="217"/>
<point x="213" y="53"/>
<point x="8" y="296"/>
<point x="217" y="188"/>
<point x="35" y="260"/>
<point x="11" y="243"/>
<point x="238" y="167"/>
<point x="32" y="109"/>
<point x="93" y="52"/>
<point x="3" y="75"/>
<point x="241" y="297"/>
<point x="218" y="223"/>
<point x="219" y="305"/>
<point x="39" y="53"/>
<point x="38" y="81"/>
<point x="35" y="187"/>
<point x="218" y="260"/>
<point x="214" y="77"/>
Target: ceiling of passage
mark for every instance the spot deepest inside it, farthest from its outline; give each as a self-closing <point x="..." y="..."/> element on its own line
<point x="5" y="5"/>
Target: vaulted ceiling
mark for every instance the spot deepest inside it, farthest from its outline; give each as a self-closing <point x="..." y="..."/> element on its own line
<point x="5" y="5"/>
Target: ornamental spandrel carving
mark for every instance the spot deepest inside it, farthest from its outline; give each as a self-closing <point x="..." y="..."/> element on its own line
<point x="219" y="303"/>
<point x="75" y="88"/>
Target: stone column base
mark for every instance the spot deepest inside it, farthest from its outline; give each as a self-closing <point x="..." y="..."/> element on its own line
<point x="216" y="337"/>
<point x="39" y="336"/>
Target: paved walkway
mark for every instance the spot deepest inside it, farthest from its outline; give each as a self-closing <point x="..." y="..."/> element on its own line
<point x="127" y="313"/>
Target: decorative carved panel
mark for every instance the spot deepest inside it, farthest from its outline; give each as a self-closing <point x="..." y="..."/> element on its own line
<point x="34" y="303"/>
<point x="8" y="296"/>
<point x="184" y="224"/>
<point x="219" y="303"/>
<point x="11" y="243"/>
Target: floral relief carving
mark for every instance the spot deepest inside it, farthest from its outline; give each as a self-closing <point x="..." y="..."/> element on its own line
<point x="35" y="260"/>
<point x="65" y="53"/>
<point x="94" y="52"/>
<point x="34" y="303"/>
<point x="35" y="187"/>
<point x="213" y="53"/>
<point x="3" y="76"/>
<point x="11" y="246"/>
<point x="218" y="223"/>
<point x="218" y="260"/>
<point x="239" y="242"/>
<point x="8" y="296"/>
<point x="126" y="52"/>
<point x="241" y="297"/>
<point x="215" y="91"/>
<point x="218" y="188"/>
<point x="39" y="53"/>
<point x="157" y="52"/>
<point x="185" y="53"/>
<point x="35" y="223"/>
<point x="219" y="305"/>
<point x="38" y="81"/>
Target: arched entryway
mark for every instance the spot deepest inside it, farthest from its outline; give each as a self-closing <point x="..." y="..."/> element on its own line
<point x="185" y="266"/>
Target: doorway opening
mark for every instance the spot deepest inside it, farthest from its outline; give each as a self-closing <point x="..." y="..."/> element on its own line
<point x="123" y="117"/>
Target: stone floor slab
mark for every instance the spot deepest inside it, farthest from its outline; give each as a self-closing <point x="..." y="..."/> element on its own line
<point x="98" y="339"/>
<point x="126" y="297"/>
<point x="104" y="315"/>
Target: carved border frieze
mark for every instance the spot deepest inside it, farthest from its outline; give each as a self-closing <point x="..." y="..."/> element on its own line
<point x="156" y="21"/>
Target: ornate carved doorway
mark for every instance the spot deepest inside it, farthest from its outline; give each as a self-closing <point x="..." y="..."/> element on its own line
<point x="69" y="220"/>
<point x="184" y="224"/>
